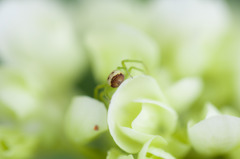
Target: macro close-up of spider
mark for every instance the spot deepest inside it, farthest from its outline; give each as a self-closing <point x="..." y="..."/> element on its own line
<point x="119" y="79"/>
<point x="103" y="92"/>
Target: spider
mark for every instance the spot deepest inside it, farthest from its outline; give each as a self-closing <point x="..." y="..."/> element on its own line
<point x="103" y="92"/>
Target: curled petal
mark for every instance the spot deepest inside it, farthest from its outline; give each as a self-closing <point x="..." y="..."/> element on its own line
<point x="155" y="118"/>
<point x="150" y="151"/>
<point x="137" y="112"/>
<point x="117" y="154"/>
<point x="132" y="140"/>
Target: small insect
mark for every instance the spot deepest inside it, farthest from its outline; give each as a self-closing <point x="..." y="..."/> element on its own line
<point x="115" y="79"/>
<point x="96" y="128"/>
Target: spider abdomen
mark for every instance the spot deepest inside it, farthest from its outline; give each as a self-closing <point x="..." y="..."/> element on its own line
<point x="115" y="78"/>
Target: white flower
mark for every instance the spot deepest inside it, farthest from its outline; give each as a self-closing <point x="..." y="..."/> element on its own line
<point x="138" y="112"/>
<point x="215" y="135"/>
<point x="85" y="119"/>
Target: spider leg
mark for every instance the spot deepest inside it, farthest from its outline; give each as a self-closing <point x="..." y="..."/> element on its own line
<point x="106" y="90"/>
<point x="101" y="93"/>
<point x="98" y="89"/>
<point x="121" y="68"/>
<point x="124" y="66"/>
<point x="135" y="68"/>
<point x="125" y="69"/>
<point x="134" y="61"/>
<point x="103" y="98"/>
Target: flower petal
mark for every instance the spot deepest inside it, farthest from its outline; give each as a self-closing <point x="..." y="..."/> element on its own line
<point x="150" y="151"/>
<point x="215" y="135"/>
<point x="211" y="110"/>
<point x="85" y="119"/>
<point x="183" y="93"/>
<point x="131" y="140"/>
<point x="117" y="154"/>
<point x="125" y="107"/>
<point x="155" y="118"/>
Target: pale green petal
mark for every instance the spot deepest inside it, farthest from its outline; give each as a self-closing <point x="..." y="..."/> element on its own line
<point x="132" y="140"/>
<point x="85" y="119"/>
<point x="150" y="151"/>
<point x="160" y="153"/>
<point x="117" y="154"/>
<point x="177" y="147"/>
<point x="183" y="93"/>
<point x="134" y="101"/>
<point x="155" y="118"/>
<point x="211" y="110"/>
<point x="215" y="135"/>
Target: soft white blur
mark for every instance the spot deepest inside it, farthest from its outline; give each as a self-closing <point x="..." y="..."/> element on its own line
<point x="39" y="38"/>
